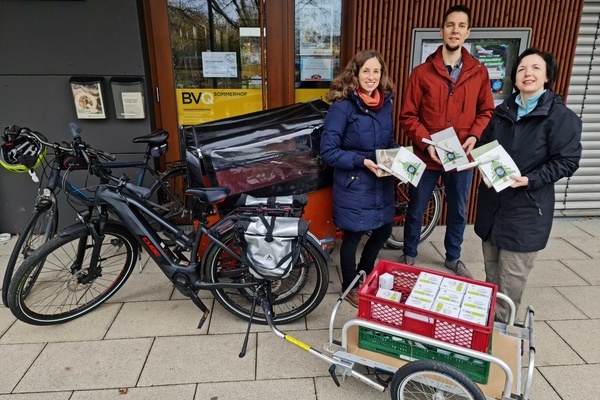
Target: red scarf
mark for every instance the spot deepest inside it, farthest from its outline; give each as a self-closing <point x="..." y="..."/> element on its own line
<point x="373" y="102"/>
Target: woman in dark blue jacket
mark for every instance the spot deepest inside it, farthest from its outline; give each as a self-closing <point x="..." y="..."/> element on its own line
<point x="358" y="122"/>
<point x="543" y="137"/>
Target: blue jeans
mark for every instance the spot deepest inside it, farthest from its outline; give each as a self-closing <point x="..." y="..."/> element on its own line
<point x="457" y="187"/>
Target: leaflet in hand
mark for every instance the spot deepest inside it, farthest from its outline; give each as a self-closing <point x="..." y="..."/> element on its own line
<point x="448" y="148"/>
<point x="385" y="157"/>
<point x="405" y="166"/>
<point x="496" y="165"/>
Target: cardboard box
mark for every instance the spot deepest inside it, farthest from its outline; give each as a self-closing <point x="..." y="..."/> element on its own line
<point x="425" y="289"/>
<point x="454" y="285"/>
<point x="475" y="317"/>
<point x="386" y="281"/>
<point x="389" y="295"/>
<point x="450" y="297"/>
<point x="428" y="277"/>
<point x="424" y="302"/>
<point x="479" y="290"/>
<point x="446" y="309"/>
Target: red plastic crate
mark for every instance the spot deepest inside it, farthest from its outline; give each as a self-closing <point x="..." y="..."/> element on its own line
<point x="416" y="320"/>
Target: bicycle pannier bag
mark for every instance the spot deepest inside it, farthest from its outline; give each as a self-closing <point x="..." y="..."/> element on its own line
<point x="271" y="244"/>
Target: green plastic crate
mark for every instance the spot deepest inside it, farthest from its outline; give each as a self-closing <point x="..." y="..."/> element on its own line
<point x="394" y="346"/>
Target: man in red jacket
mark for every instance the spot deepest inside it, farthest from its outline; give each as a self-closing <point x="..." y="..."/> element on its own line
<point x="450" y="89"/>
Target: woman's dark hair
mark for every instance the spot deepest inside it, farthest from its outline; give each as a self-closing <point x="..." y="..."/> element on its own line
<point x="347" y="81"/>
<point x="551" y="67"/>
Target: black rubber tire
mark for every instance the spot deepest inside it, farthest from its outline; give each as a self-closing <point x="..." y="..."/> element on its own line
<point x="46" y="289"/>
<point x="40" y="228"/>
<point x="427" y="379"/>
<point x="294" y="296"/>
<point x="431" y="216"/>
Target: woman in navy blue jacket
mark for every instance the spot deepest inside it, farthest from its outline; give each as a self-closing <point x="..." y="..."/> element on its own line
<point x="543" y="137"/>
<point x="358" y="122"/>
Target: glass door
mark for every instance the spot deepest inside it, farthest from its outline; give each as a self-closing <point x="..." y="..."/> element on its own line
<point x="217" y="53"/>
<point x="318" y="28"/>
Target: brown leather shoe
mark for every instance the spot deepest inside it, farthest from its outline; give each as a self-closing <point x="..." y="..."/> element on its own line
<point x="352" y="297"/>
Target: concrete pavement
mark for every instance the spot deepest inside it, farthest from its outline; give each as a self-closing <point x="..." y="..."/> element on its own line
<point x="143" y="344"/>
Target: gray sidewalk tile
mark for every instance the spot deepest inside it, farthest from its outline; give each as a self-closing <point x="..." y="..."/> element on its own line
<point x="92" y="326"/>
<point x="581" y="336"/>
<point x="195" y="359"/>
<point x="179" y="392"/>
<point x="540" y="388"/>
<point x="297" y="389"/>
<point x="6" y="320"/>
<point x="549" y="304"/>
<point x="573" y="383"/>
<point x="146" y="341"/>
<point x="16" y="360"/>
<point x="559" y="248"/>
<point x="38" y="396"/>
<point x="588" y="246"/>
<point x="144" y="287"/>
<point x="551" y="349"/>
<point x="567" y="228"/>
<point x="319" y="319"/>
<point x="86" y="365"/>
<point x="586" y="269"/>
<point x="350" y="389"/>
<point x="553" y="273"/>
<point x="156" y="318"/>
<point x="589" y="225"/>
<point x="223" y="322"/>
<point x="273" y="353"/>
<point x="583" y="298"/>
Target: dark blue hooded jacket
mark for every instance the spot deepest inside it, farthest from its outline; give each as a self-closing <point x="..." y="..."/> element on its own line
<point x="351" y="133"/>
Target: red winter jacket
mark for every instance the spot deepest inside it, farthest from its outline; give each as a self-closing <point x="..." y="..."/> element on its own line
<point x="433" y="102"/>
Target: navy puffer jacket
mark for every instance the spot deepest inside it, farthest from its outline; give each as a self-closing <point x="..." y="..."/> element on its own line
<point x="352" y="133"/>
<point x="546" y="146"/>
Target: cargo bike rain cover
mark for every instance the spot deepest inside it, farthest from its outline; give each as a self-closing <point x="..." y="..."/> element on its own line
<point x="273" y="152"/>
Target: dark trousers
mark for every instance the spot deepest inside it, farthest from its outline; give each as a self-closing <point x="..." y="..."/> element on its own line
<point x="368" y="256"/>
<point x="457" y="187"/>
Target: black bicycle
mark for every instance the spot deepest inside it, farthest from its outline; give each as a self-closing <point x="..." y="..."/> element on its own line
<point x="86" y="263"/>
<point x="165" y="196"/>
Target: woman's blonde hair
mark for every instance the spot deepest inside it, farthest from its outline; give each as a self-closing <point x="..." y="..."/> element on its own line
<point x="347" y="81"/>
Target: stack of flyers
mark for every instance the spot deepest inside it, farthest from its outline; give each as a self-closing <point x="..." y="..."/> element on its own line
<point x="496" y="165"/>
<point x="385" y="157"/>
<point x="448" y="148"/>
<point x="405" y="166"/>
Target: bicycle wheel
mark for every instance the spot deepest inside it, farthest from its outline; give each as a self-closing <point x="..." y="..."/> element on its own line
<point x="293" y="297"/>
<point x="426" y="379"/>
<point x="430" y="217"/>
<point x="40" y="228"/>
<point x="170" y="190"/>
<point x="49" y="289"/>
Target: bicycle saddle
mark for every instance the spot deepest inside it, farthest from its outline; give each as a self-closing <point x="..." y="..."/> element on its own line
<point x="157" y="136"/>
<point x="209" y="195"/>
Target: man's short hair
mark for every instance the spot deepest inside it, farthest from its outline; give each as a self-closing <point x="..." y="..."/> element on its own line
<point x="458" y="8"/>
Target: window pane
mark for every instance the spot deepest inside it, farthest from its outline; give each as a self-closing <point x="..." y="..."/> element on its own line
<point x="215" y="43"/>
<point x="318" y="35"/>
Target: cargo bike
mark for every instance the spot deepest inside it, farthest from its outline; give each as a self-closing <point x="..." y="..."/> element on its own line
<point x="426" y="355"/>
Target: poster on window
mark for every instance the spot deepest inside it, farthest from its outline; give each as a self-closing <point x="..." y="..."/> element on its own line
<point x="88" y="100"/>
<point x="316" y="68"/>
<point x="219" y="64"/>
<point x="316" y="30"/>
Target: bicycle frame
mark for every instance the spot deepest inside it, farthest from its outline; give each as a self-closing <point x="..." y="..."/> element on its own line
<point x="129" y="209"/>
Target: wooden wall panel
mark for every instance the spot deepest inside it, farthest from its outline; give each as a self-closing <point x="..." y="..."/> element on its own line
<point x="386" y="25"/>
